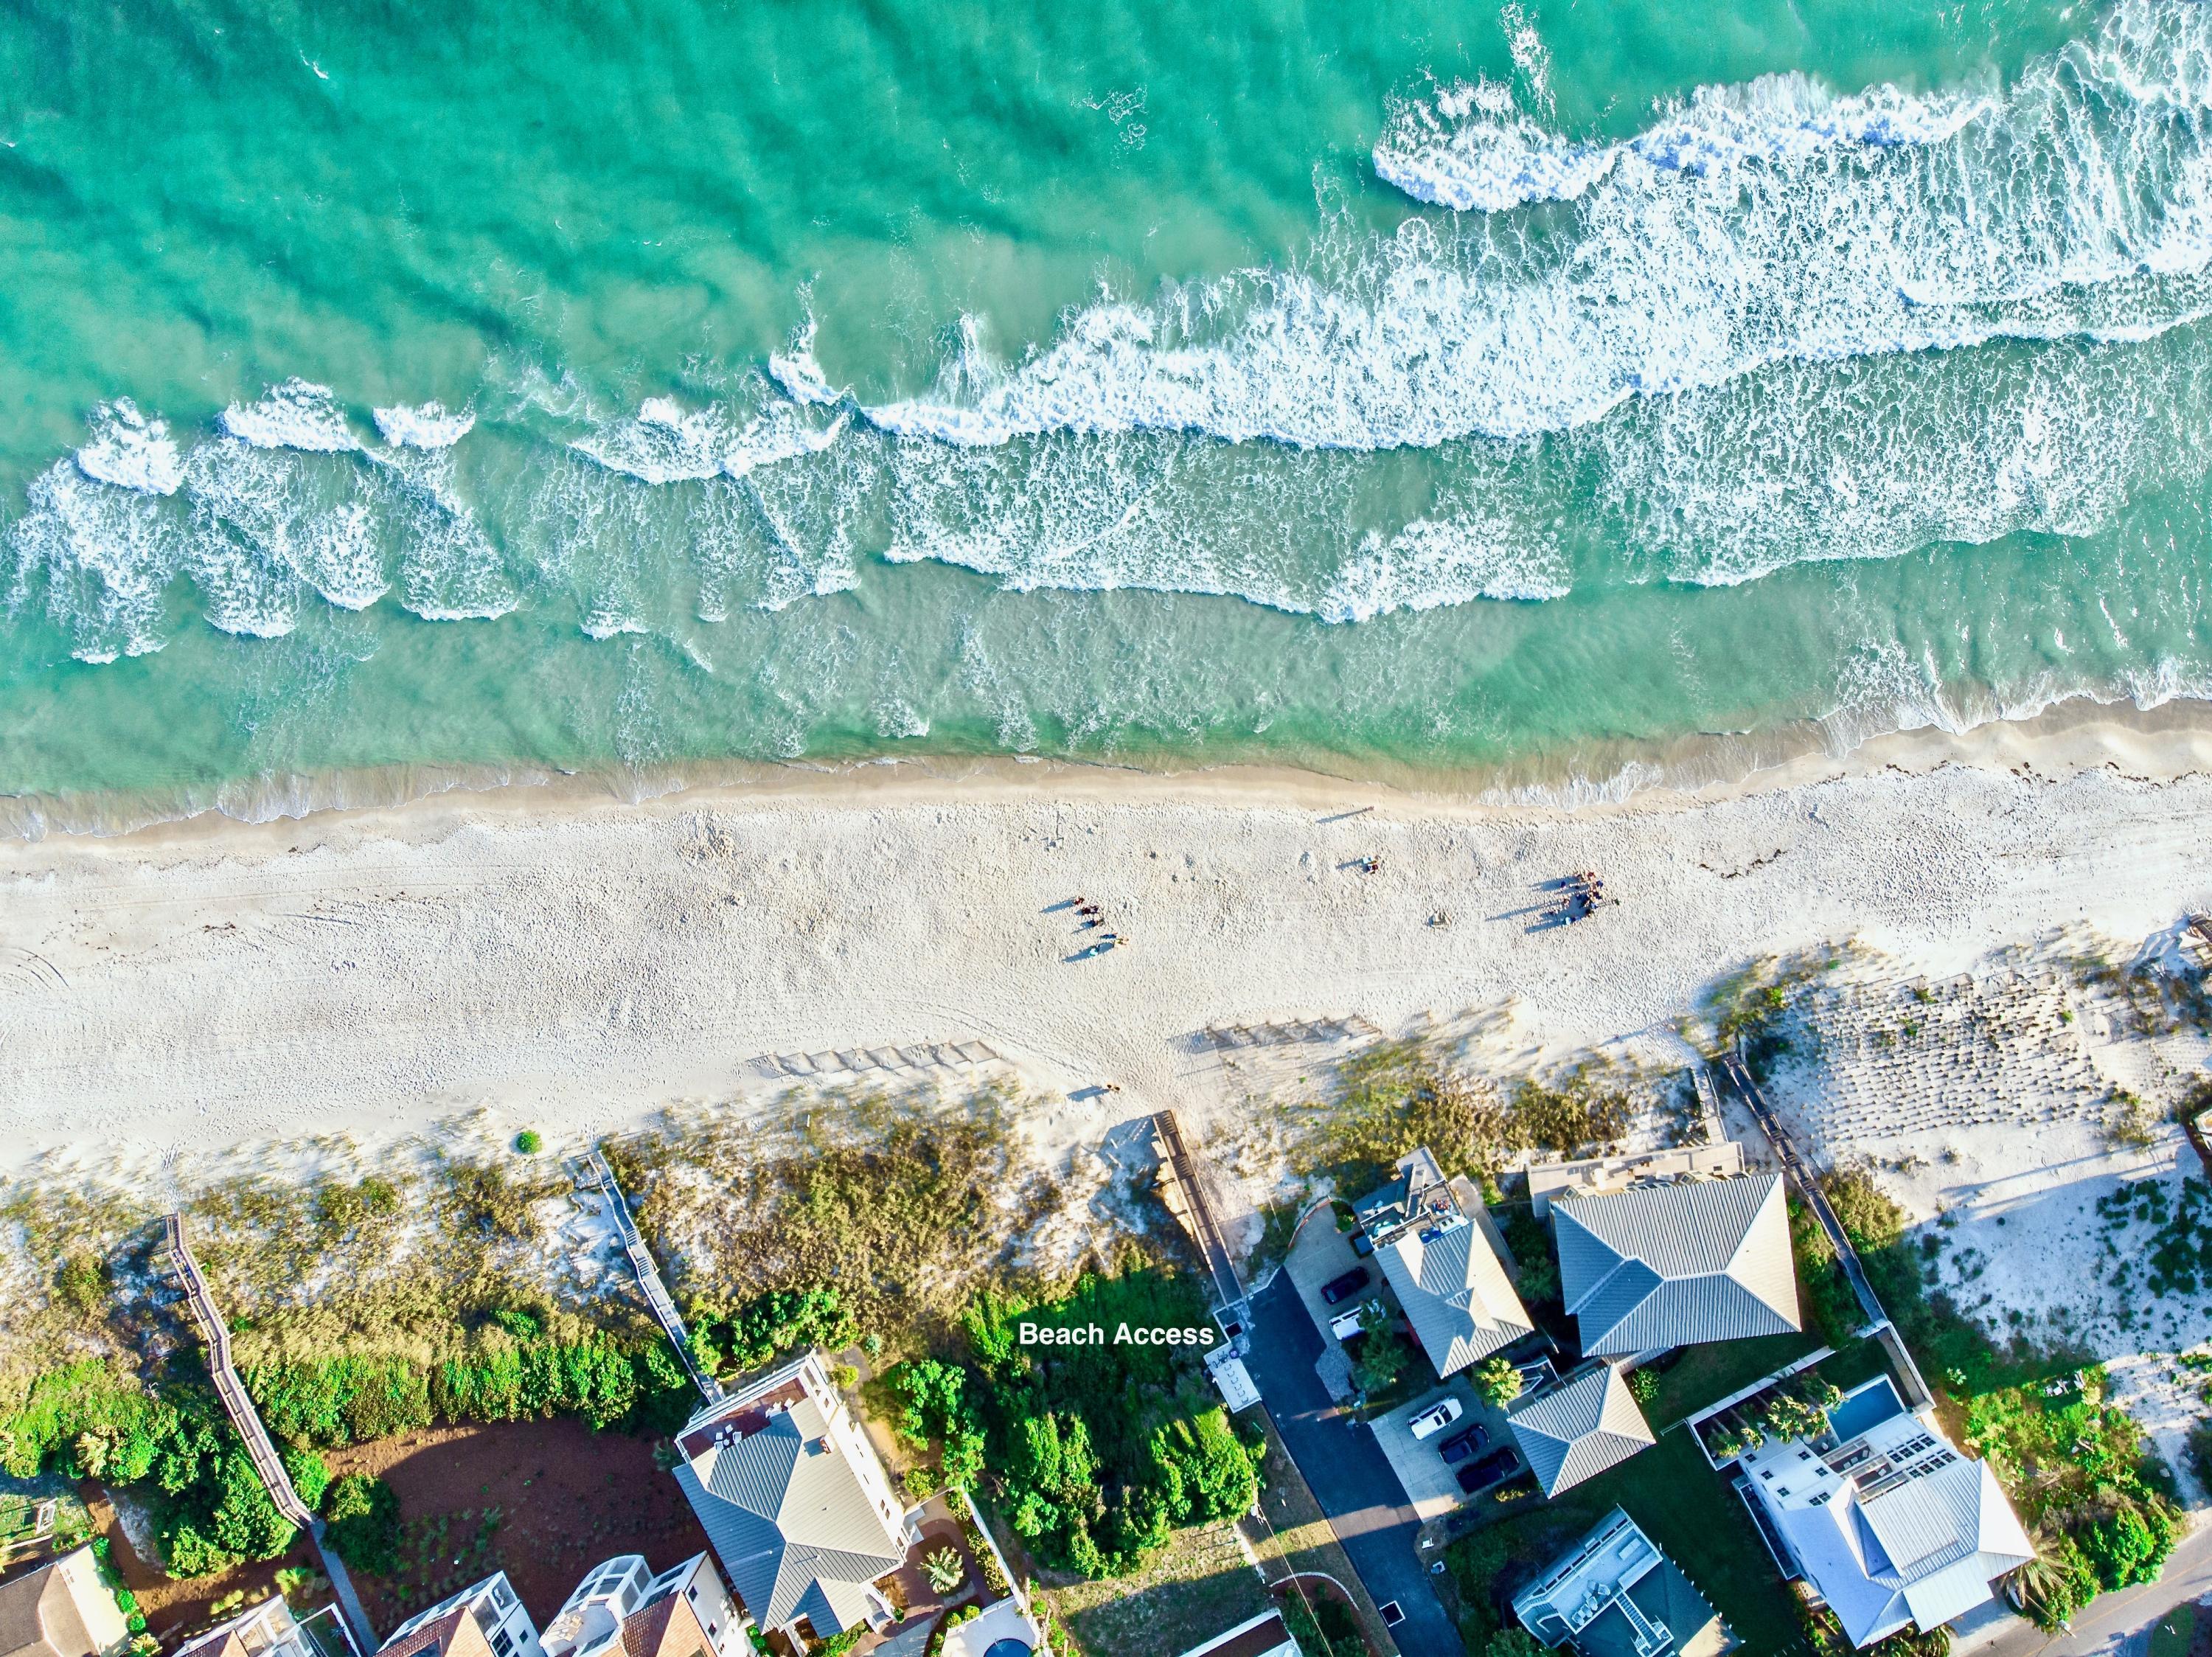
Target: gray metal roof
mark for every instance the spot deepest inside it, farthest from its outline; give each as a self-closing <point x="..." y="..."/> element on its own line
<point x="1674" y="1265"/>
<point x="1578" y="1428"/>
<point x="1455" y="1291"/>
<point x="790" y="1521"/>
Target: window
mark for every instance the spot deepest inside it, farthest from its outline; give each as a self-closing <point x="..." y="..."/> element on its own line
<point x="692" y="1593"/>
<point x="503" y="1641"/>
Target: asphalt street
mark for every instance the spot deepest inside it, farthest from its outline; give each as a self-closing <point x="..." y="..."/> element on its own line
<point x="2115" y="1623"/>
<point x="1350" y="1475"/>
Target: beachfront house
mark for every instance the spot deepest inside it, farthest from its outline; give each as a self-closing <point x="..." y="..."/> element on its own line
<point x="485" y="1620"/>
<point x="682" y="1611"/>
<point x="61" y="1609"/>
<point x="1441" y="1254"/>
<point x="1578" y="1426"/>
<point x="1883" y="1518"/>
<point x="271" y="1630"/>
<point x="796" y="1502"/>
<point x="1614" y="1594"/>
<point x="1264" y="1635"/>
<point x="1673" y="1262"/>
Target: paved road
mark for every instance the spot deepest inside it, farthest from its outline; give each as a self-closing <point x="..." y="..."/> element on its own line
<point x="1350" y="1475"/>
<point x="2114" y="1622"/>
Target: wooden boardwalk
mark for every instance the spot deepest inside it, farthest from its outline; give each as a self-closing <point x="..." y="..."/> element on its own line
<point x="239" y="1406"/>
<point x="1186" y="1199"/>
<point x="1878" y="1323"/>
<point x="595" y="1169"/>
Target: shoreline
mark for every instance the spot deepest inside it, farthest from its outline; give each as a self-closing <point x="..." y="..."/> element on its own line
<point x="2163" y="743"/>
<point x="570" y="960"/>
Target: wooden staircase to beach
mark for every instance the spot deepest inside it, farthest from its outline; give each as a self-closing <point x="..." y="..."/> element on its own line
<point x="594" y="1170"/>
<point x="239" y="1406"/>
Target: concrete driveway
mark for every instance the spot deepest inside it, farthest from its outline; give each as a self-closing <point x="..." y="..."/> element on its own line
<point x="1351" y="1477"/>
<point x="1430" y="1484"/>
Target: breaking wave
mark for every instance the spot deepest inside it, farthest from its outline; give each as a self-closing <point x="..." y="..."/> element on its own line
<point x="1750" y="226"/>
<point x="1778" y="324"/>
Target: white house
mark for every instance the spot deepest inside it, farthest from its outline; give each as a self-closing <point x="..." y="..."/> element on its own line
<point x="795" y="1501"/>
<point x="485" y="1617"/>
<point x="1892" y="1526"/>
<point x="682" y="1611"/>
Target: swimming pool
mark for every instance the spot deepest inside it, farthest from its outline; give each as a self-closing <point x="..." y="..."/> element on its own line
<point x="1863" y="1407"/>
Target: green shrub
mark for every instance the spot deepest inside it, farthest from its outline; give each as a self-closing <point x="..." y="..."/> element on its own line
<point x="364" y="1523"/>
<point x="246" y="1521"/>
<point x="2055" y="1584"/>
<point x="1099" y="1461"/>
<point x="2129" y="1545"/>
<point x="309" y="1473"/>
<point x="191" y="1554"/>
<point x="1498" y="1382"/>
<point x="772" y="1325"/>
<point x="528" y="1143"/>
<point x="351" y="1399"/>
<point x="939" y="1410"/>
<point x="83" y="1284"/>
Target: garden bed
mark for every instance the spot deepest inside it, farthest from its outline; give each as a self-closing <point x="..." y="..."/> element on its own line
<point x="544" y="1500"/>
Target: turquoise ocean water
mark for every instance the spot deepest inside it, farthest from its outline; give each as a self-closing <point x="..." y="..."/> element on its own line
<point x="1506" y="390"/>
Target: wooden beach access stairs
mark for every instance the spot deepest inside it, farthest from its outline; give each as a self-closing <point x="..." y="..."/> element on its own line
<point x="592" y="1169"/>
<point x="1183" y="1190"/>
<point x="239" y="1406"/>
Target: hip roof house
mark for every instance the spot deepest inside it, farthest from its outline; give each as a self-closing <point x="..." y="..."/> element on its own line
<point x="1674" y="1265"/>
<point x="60" y="1610"/>
<point x="1577" y="1430"/>
<point x="795" y="1501"/>
<point x="1432" y="1241"/>
<point x="1892" y="1526"/>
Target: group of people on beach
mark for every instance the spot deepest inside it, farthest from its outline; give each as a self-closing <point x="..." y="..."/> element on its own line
<point x="1580" y="894"/>
<point x="1093" y="918"/>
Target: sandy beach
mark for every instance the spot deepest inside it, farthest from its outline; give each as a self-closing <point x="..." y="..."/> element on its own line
<point x="572" y="962"/>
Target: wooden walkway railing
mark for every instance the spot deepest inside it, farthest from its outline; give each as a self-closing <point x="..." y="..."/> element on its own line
<point x="1198" y="1215"/>
<point x="1847" y="1257"/>
<point x="595" y="1169"/>
<point x="239" y="1406"/>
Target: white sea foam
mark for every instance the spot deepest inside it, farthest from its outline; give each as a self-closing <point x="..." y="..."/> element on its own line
<point x="297" y="414"/>
<point x="424" y="426"/>
<point x="1752" y="225"/>
<point x="129" y="451"/>
<point x="663" y="444"/>
<point x="1471" y="148"/>
<point x="800" y="374"/>
<point x="1429" y="564"/>
<point x="103" y="557"/>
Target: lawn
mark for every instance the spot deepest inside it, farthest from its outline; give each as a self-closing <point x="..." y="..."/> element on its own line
<point x="1701" y="1375"/>
<point x="1681" y="1504"/>
<point x="2175" y="1633"/>
<point x="1191" y="1590"/>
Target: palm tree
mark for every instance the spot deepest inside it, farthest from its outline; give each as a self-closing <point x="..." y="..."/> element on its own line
<point x="945" y="1569"/>
<point x="2047" y="1588"/>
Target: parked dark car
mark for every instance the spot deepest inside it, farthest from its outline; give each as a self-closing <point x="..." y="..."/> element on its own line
<point x="1362" y="1244"/>
<point x="1337" y="1290"/>
<point x="1482" y="1475"/>
<point x="1461" y="1446"/>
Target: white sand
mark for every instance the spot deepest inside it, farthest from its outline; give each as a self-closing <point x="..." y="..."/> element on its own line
<point x="575" y="964"/>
